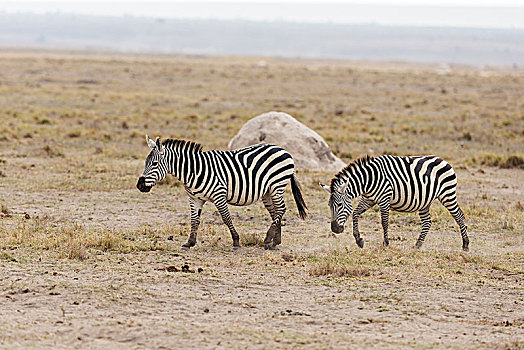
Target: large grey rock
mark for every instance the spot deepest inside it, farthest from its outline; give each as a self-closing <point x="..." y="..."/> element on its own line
<point x="309" y="150"/>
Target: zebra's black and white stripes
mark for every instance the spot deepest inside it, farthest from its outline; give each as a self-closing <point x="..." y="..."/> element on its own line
<point x="239" y="177"/>
<point x="404" y="184"/>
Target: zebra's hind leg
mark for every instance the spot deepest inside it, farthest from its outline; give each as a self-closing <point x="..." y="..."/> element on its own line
<point x="425" y="219"/>
<point x="221" y="204"/>
<point x="384" y="216"/>
<point x="268" y="203"/>
<point x="362" y="206"/>
<point x="274" y="234"/>
<point x="450" y="202"/>
<point x="196" y="209"/>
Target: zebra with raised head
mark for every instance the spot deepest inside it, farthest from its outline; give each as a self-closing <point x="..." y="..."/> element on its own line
<point x="404" y="184"/>
<point x="238" y="177"/>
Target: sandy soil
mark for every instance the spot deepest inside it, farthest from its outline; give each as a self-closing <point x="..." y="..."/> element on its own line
<point x="246" y="299"/>
<point x="97" y="264"/>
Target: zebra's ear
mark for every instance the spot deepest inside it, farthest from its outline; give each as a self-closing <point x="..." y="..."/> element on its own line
<point x="325" y="187"/>
<point x="159" y="145"/>
<point x="150" y="142"/>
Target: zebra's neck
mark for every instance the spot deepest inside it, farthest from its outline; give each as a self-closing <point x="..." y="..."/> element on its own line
<point x="183" y="158"/>
<point x="357" y="175"/>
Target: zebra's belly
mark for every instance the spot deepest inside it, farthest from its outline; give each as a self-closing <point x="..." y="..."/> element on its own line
<point x="411" y="206"/>
<point x="404" y="209"/>
<point x="243" y="198"/>
<point x="241" y="204"/>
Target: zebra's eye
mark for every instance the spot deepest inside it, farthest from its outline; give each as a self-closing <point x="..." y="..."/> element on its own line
<point x="155" y="163"/>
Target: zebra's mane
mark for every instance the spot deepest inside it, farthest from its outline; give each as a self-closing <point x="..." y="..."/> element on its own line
<point x="357" y="163"/>
<point x="174" y="143"/>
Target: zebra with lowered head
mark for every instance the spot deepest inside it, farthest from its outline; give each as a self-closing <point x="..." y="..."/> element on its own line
<point x="404" y="184"/>
<point x="238" y="177"/>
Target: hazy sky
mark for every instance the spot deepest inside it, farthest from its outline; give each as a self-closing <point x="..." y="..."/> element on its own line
<point x="456" y="13"/>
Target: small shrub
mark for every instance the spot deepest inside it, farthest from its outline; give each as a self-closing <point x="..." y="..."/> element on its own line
<point x="107" y="241"/>
<point x="507" y="225"/>
<point x="466" y="136"/>
<point x="251" y="239"/>
<point x="43" y="121"/>
<point x="509" y="162"/>
<point x="74" y="133"/>
<point x="338" y="269"/>
<point x="514" y="162"/>
<point x="459" y="258"/>
<point x="52" y="152"/>
<point x="74" y="250"/>
<point x="7" y="257"/>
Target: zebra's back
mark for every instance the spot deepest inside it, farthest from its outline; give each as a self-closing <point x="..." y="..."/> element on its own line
<point x="417" y="180"/>
<point x="251" y="172"/>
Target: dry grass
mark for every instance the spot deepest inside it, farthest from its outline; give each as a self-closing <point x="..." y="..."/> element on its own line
<point x="394" y="261"/>
<point x="337" y="269"/>
<point x="168" y="97"/>
<point x="251" y="239"/>
<point x="74" y="241"/>
<point x="6" y="256"/>
<point x="74" y="150"/>
<point x="337" y="263"/>
<point x="505" y="162"/>
<point x="53" y="152"/>
<point x="4" y="209"/>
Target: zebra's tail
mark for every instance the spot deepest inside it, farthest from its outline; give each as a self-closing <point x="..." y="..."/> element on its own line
<point x="297" y="194"/>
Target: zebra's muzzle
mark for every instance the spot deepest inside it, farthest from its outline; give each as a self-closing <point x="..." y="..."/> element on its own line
<point x="336" y="228"/>
<point x="141" y="185"/>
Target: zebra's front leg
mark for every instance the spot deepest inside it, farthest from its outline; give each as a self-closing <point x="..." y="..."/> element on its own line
<point x="196" y="209"/>
<point x="361" y="208"/>
<point x="425" y="219"/>
<point x="384" y="216"/>
<point x="221" y="204"/>
<point x="274" y="234"/>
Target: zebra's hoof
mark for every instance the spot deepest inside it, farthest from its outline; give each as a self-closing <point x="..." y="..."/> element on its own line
<point x="360" y="243"/>
<point x="188" y="245"/>
<point x="465" y="245"/>
<point x="235" y="248"/>
<point x="269" y="247"/>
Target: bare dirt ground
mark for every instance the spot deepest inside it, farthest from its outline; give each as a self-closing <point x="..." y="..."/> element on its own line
<point x="97" y="264"/>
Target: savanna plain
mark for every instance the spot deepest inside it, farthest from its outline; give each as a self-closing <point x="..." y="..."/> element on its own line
<point x="87" y="261"/>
